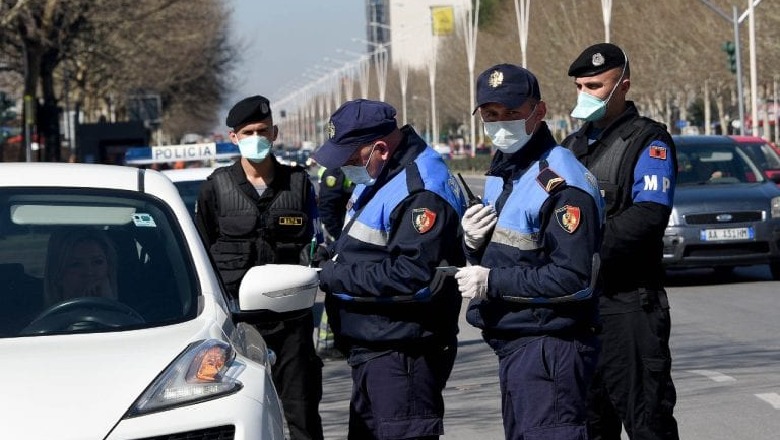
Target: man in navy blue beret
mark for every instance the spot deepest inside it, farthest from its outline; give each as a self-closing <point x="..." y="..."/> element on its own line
<point x="633" y="385"/>
<point x="391" y="311"/>
<point x="259" y="211"/>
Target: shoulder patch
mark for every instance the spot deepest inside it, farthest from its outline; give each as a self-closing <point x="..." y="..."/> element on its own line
<point x="549" y="180"/>
<point x="568" y="218"/>
<point x="658" y="152"/>
<point x="423" y="219"/>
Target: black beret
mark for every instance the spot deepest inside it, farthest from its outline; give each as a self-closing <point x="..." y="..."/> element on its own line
<point x="597" y="59"/>
<point x="252" y="109"/>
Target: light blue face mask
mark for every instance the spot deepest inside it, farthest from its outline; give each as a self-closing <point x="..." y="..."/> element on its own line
<point x="254" y="148"/>
<point x="589" y="108"/>
<point x="360" y="175"/>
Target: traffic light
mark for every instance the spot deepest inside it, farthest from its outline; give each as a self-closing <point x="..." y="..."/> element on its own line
<point x="731" y="55"/>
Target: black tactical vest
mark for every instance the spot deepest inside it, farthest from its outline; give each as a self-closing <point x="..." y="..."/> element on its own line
<point x="274" y="228"/>
<point x="612" y="159"/>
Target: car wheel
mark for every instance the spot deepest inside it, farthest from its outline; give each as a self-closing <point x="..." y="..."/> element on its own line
<point x="775" y="269"/>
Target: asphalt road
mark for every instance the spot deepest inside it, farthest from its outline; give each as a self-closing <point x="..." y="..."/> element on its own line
<point x="726" y="355"/>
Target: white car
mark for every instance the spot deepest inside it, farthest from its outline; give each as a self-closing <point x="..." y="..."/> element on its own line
<point x="156" y="349"/>
<point x="188" y="181"/>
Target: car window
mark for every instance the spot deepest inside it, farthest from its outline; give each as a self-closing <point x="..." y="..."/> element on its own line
<point x="85" y="260"/>
<point x="715" y="164"/>
<point x="762" y="154"/>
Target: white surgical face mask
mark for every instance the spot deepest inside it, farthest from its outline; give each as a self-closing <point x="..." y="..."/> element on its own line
<point x="359" y="174"/>
<point x="254" y="148"/>
<point x="509" y="136"/>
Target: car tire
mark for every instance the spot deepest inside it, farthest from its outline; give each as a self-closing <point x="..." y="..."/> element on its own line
<point x="775" y="269"/>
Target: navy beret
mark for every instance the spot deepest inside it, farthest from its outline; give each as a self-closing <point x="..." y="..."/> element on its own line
<point x="507" y="84"/>
<point x="353" y="125"/>
<point x="252" y="109"/>
<point x="597" y="59"/>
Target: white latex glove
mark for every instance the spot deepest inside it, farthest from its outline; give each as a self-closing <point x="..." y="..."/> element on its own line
<point x="473" y="281"/>
<point x="477" y="221"/>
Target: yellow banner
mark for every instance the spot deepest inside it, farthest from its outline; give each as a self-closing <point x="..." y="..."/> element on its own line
<point x="442" y="20"/>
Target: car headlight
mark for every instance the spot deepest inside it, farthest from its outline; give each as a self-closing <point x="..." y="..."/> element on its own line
<point x="775" y="212"/>
<point x="200" y="372"/>
<point x="674" y="219"/>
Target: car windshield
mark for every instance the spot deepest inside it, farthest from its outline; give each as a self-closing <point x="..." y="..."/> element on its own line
<point x="86" y="260"/>
<point x="715" y="164"/>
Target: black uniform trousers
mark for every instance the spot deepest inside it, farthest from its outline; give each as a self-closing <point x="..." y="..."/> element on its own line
<point x="633" y="383"/>
<point x="297" y="374"/>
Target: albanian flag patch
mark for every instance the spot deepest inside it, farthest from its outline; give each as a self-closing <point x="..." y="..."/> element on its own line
<point x="568" y="218"/>
<point x="423" y="219"/>
<point x="658" y="152"/>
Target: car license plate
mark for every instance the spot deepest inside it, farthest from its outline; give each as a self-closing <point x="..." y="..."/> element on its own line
<point x="727" y="234"/>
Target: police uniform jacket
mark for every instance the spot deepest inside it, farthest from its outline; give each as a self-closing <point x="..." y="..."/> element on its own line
<point x="635" y="163"/>
<point x="243" y="229"/>
<point x="383" y="291"/>
<point x="541" y="253"/>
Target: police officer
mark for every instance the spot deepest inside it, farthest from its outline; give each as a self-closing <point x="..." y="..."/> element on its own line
<point x="634" y="160"/>
<point x="335" y="191"/>
<point x="533" y="247"/>
<point x="256" y="212"/>
<point x="391" y="310"/>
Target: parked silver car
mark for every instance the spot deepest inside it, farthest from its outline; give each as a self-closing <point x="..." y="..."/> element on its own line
<point x="725" y="213"/>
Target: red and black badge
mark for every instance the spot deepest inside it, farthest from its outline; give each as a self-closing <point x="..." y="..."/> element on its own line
<point x="658" y="152"/>
<point x="423" y="219"/>
<point x="568" y="218"/>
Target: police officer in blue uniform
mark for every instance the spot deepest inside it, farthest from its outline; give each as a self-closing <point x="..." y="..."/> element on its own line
<point x="393" y="313"/>
<point x="258" y="211"/>
<point x="533" y="248"/>
<point x="634" y="160"/>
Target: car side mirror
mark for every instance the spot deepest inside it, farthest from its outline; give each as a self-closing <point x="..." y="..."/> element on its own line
<point x="278" y="288"/>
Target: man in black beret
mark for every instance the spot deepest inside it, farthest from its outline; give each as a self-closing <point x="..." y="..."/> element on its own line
<point x="633" y="158"/>
<point x="258" y="211"/>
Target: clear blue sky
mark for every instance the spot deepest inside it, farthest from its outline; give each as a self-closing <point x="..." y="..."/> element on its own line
<point x="282" y="39"/>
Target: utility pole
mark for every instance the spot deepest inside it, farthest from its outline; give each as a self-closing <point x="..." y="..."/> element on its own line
<point x="735" y="20"/>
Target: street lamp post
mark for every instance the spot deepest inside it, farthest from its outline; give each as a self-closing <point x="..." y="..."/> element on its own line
<point x="606" y="12"/>
<point x="521" y="12"/>
<point x="471" y="27"/>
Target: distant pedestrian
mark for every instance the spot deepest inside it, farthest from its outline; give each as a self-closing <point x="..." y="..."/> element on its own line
<point x="533" y="246"/>
<point x="391" y="310"/>
<point x="634" y="160"/>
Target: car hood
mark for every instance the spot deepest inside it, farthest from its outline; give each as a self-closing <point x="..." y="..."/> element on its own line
<point x="735" y="196"/>
<point x="80" y="386"/>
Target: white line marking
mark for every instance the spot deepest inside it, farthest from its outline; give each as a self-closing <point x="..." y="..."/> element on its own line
<point x="770" y="398"/>
<point x="713" y="375"/>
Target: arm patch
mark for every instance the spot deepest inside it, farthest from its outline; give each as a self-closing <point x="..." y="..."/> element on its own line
<point x="550" y="180"/>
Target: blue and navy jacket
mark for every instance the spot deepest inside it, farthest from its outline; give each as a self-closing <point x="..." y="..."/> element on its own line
<point x="544" y="247"/>
<point x="382" y="286"/>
